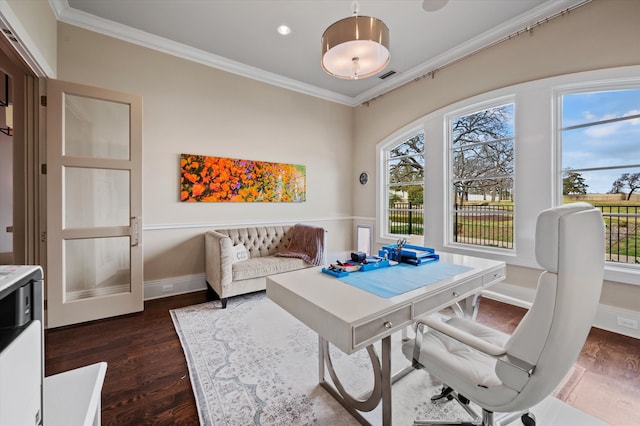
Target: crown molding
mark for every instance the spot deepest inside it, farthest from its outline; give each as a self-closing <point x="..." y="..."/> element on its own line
<point x="488" y="38"/>
<point x="24" y="46"/>
<point x="71" y="16"/>
<point x="64" y="13"/>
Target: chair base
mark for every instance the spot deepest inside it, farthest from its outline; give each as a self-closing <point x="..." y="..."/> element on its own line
<point x="484" y="418"/>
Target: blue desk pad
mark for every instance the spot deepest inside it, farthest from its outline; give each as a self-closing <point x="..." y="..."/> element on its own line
<point x="401" y="278"/>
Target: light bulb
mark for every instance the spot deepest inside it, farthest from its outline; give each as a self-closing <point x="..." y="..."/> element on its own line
<point x="355" y="68"/>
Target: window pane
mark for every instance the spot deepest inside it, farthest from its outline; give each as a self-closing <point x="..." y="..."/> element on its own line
<point x="406" y="169"/>
<point x="484" y="224"/>
<point x="482" y="154"/>
<point x="601" y="145"/>
<point x="414" y="145"/>
<point x="492" y="159"/>
<point x="601" y="163"/>
<point x="406" y="218"/>
<point x="489" y="125"/>
<point x="405" y="189"/>
<point x="591" y="107"/>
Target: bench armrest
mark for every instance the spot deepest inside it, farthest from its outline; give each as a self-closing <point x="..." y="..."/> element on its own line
<point x="218" y="254"/>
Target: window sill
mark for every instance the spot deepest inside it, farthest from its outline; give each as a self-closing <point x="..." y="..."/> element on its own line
<point x="628" y="275"/>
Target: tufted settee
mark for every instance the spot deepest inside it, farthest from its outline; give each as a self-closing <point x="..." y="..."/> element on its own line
<point x="239" y="260"/>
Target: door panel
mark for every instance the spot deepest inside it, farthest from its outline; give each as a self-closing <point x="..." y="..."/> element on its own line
<point x="94" y="157"/>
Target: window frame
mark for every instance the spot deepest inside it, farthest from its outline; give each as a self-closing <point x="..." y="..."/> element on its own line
<point x="537" y="163"/>
<point x="448" y="118"/>
<point x="615" y="271"/>
<point x="383" y="181"/>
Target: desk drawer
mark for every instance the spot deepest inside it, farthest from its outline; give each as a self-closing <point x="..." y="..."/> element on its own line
<point x="494" y="276"/>
<point x="447" y="297"/>
<point x="381" y="325"/>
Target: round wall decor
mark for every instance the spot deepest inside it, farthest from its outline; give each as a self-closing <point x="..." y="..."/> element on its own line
<point x="364" y="178"/>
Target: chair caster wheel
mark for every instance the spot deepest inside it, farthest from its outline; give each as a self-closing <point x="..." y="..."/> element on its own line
<point x="528" y="419"/>
<point x="444" y="393"/>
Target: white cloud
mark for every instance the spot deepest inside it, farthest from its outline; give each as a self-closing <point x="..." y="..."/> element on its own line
<point x="604" y="130"/>
<point x="634" y="121"/>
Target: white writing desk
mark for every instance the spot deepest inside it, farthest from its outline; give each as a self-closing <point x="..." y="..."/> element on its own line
<point x="352" y="319"/>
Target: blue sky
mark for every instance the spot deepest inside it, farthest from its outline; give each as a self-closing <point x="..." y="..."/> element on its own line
<point x="602" y="145"/>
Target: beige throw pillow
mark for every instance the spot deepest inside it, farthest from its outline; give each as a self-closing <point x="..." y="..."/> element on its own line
<point x="239" y="252"/>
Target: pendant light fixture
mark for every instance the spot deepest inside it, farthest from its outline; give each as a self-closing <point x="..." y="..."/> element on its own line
<point x="355" y="47"/>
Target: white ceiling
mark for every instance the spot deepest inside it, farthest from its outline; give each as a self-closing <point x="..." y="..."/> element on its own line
<point x="240" y="36"/>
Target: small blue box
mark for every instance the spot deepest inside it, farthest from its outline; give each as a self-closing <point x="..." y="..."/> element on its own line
<point x="374" y="265"/>
<point x="335" y="273"/>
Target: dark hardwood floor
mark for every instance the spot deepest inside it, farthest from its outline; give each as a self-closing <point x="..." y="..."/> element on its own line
<point x="147" y="381"/>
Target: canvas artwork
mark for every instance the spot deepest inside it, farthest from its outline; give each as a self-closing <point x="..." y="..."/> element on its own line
<point x="219" y="179"/>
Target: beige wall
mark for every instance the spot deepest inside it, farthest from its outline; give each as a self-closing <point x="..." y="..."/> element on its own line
<point x="601" y="34"/>
<point x="191" y="108"/>
<point x="37" y="27"/>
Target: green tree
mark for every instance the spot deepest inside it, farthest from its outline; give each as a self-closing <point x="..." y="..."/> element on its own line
<point x="573" y="183"/>
<point x="416" y="194"/>
<point x="406" y="168"/>
<point x="630" y="180"/>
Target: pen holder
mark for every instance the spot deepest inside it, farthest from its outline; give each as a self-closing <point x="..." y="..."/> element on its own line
<point x="390" y="253"/>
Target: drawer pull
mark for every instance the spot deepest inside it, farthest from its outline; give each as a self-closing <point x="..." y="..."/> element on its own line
<point x="388" y="324"/>
<point x="456" y="294"/>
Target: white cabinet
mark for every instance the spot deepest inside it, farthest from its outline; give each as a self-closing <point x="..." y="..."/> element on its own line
<point x="73" y="397"/>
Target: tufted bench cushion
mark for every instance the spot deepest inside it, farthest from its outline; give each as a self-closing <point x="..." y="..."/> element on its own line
<point x="229" y="277"/>
<point x="265" y="266"/>
<point x="260" y="240"/>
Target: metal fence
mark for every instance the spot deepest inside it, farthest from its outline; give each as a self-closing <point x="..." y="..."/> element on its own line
<point x="406" y="218"/>
<point x="484" y="225"/>
<point x="492" y="226"/>
<point x="622" y="233"/>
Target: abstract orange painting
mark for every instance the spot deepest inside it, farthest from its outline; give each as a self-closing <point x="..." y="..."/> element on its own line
<point x="219" y="179"/>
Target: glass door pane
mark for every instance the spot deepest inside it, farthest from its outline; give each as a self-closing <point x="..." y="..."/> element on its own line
<point x="96" y="128"/>
<point x="95" y="197"/>
<point x="96" y="267"/>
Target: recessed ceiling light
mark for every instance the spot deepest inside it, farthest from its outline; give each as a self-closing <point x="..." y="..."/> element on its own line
<point x="433" y="5"/>
<point x="284" y="30"/>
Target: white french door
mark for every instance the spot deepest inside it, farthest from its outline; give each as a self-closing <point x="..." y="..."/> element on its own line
<point x="94" y="203"/>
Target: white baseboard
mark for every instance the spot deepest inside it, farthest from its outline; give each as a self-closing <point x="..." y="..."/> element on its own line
<point x="606" y="317"/>
<point x="173" y="286"/>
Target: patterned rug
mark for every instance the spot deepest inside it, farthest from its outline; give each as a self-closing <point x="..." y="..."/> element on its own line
<point x="254" y="364"/>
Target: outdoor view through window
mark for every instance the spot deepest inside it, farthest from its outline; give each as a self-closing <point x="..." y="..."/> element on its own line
<point x="482" y="153"/>
<point x="405" y="165"/>
<point x="601" y="163"/>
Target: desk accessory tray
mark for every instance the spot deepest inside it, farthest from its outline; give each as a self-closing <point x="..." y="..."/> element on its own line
<point x="335" y="273"/>
<point x="374" y="265"/>
<point x="350" y="267"/>
<point x="413" y="255"/>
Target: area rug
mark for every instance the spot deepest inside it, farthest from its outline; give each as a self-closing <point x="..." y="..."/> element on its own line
<point x="255" y="364"/>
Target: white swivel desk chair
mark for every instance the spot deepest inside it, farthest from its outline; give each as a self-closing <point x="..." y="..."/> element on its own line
<point x="510" y="374"/>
